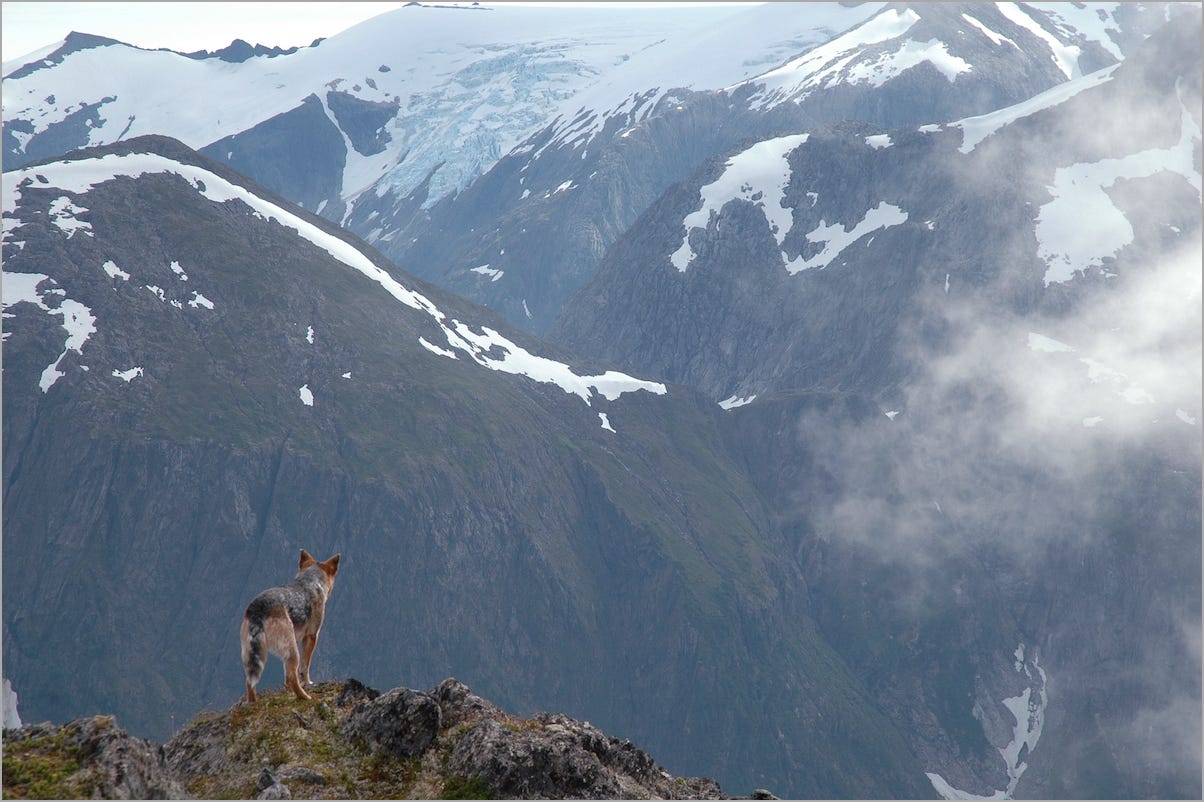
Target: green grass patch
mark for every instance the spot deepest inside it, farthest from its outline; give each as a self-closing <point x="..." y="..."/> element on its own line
<point x="459" y="787"/>
<point x="43" y="767"/>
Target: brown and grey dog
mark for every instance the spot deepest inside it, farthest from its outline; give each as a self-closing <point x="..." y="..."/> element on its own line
<point x="280" y="619"/>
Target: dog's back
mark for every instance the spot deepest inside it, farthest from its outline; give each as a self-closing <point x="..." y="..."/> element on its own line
<point x="279" y="618"/>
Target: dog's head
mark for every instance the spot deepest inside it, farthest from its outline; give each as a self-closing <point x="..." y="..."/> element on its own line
<point x="329" y="567"/>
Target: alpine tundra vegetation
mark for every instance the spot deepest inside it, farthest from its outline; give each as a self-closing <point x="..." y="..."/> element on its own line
<point x="809" y="393"/>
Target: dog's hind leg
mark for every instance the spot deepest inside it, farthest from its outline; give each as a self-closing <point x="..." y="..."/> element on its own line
<point x="282" y="640"/>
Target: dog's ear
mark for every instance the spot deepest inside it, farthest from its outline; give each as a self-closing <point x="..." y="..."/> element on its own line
<point x="306" y="560"/>
<point x="331" y="566"/>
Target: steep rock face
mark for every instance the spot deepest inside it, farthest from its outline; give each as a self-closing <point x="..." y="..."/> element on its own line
<point x="299" y="154"/>
<point x="822" y="259"/>
<point x="945" y="380"/>
<point x="199" y="381"/>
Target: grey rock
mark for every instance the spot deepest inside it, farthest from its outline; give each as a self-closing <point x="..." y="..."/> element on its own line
<point x="554" y="756"/>
<point x="266" y="780"/>
<point x="302" y="774"/>
<point x="115" y="764"/>
<point x="459" y="704"/>
<point x="270" y="787"/>
<point x="400" y="723"/>
<point x="275" y="791"/>
<point x="354" y="692"/>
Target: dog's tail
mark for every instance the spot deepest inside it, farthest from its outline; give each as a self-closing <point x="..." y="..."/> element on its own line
<point x="254" y="651"/>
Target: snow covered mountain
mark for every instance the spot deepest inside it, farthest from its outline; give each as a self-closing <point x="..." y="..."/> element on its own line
<point x="824" y="210"/>
<point x="560" y="199"/>
<point x="375" y="126"/>
<point x="424" y="91"/>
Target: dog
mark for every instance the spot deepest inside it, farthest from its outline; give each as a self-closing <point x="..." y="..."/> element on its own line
<point x="281" y="619"/>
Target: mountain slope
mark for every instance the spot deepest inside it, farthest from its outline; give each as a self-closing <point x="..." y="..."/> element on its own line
<point x="199" y="380"/>
<point x="841" y="236"/>
<point x="961" y="362"/>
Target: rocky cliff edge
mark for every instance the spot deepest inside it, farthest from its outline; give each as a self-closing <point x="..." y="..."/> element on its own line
<point x="350" y="741"/>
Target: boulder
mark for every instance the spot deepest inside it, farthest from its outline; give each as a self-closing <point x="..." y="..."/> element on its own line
<point x="399" y="723"/>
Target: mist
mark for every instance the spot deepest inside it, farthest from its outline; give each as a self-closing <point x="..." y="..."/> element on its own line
<point x="1045" y="452"/>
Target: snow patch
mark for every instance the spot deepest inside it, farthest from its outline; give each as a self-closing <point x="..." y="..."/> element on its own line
<point x="976" y="129"/>
<point x="1097" y="372"/>
<point x="879" y="141"/>
<point x="1039" y="342"/>
<point x="114" y="271"/>
<point x="732" y="402"/>
<point x="758" y="175"/>
<point x="12" y="719"/>
<point x="947" y="791"/>
<point x="910" y="54"/>
<point x="199" y="300"/>
<point x="63" y="213"/>
<point x="606" y="422"/>
<point x="821" y="66"/>
<point x="128" y="376"/>
<point x="1092" y="422"/>
<point x="836" y="237"/>
<point x="997" y="38"/>
<point x="307" y="396"/>
<point x="309" y="335"/>
<point x="1065" y="57"/>
<point x="1081" y="226"/>
<point x="179" y="271"/>
<point x="486" y="270"/>
<point x="1028" y="709"/>
<point x="1096" y="21"/>
<point x="1183" y="416"/>
<point x="78" y="320"/>
<point x="434" y="349"/>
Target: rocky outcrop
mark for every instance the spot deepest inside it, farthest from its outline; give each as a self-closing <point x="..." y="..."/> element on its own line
<point x="88" y="757"/>
<point x="554" y="756"/>
<point x="400" y="723"/>
<point x="350" y="741"/>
